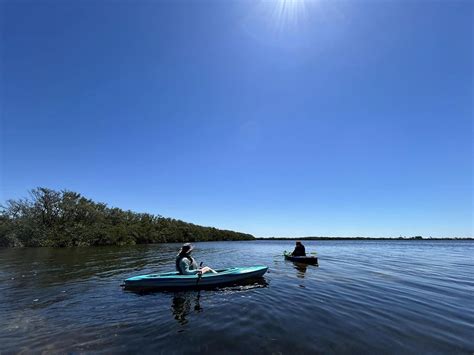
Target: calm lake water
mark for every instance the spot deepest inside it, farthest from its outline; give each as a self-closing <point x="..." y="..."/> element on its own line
<point x="366" y="296"/>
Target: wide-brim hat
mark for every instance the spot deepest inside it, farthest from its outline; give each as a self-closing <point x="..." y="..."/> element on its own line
<point x="186" y="248"/>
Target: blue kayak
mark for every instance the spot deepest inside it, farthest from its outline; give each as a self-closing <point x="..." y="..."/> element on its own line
<point x="173" y="280"/>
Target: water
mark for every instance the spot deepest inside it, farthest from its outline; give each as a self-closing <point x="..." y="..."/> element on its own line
<point x="366" y="296"/>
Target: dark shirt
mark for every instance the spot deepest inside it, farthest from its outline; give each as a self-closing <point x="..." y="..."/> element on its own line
<point x="299" y="251"/>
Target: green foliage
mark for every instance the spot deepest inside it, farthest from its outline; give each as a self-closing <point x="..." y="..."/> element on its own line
<point x="66" y="219"/>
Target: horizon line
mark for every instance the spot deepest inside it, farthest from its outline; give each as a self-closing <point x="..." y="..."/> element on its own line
<point x="365" y="236"/>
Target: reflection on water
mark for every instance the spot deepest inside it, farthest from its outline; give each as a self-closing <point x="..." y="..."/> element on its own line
<point x="186" y="302"/>
<point x="368" y="297"/>
<point x="181" y="305"/>
<point x="301" y="268"/>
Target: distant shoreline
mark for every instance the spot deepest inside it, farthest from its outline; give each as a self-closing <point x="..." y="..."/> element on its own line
<point x="365" y="238"/>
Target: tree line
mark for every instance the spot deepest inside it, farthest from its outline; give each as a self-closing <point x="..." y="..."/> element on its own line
<point x="50" y="218"/>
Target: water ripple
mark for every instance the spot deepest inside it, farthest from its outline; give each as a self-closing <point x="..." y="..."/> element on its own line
<point x="376" y="297"/>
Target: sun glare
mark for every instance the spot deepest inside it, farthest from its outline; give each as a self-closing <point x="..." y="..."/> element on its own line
<point x="282" y="23"/>
<point x="289" y="12"/>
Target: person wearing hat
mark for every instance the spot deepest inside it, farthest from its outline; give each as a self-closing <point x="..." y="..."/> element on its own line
<point x="185" y="263"/>
<point x="299" y="250"/>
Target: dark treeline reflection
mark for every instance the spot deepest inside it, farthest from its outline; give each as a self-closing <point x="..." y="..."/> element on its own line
<point x="65" y="219"/>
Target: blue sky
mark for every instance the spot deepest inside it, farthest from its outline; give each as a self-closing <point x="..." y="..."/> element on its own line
<point x="276" y="118"/>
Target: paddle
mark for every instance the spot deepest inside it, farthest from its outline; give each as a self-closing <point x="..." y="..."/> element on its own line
<point x="199" y="274"/>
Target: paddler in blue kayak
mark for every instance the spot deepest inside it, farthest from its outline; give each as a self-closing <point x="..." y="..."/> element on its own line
<point x="299" y="250"/>
<point x="185" y="263"/>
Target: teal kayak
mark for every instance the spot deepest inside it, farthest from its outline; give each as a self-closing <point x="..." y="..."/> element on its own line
<point x="173" y="280"/>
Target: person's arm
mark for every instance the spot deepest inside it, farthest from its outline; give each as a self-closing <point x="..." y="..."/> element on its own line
<point x="185" y="266"/>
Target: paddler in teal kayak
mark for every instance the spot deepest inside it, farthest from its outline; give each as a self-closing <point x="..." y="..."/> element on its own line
<point x="185" y="263"/>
